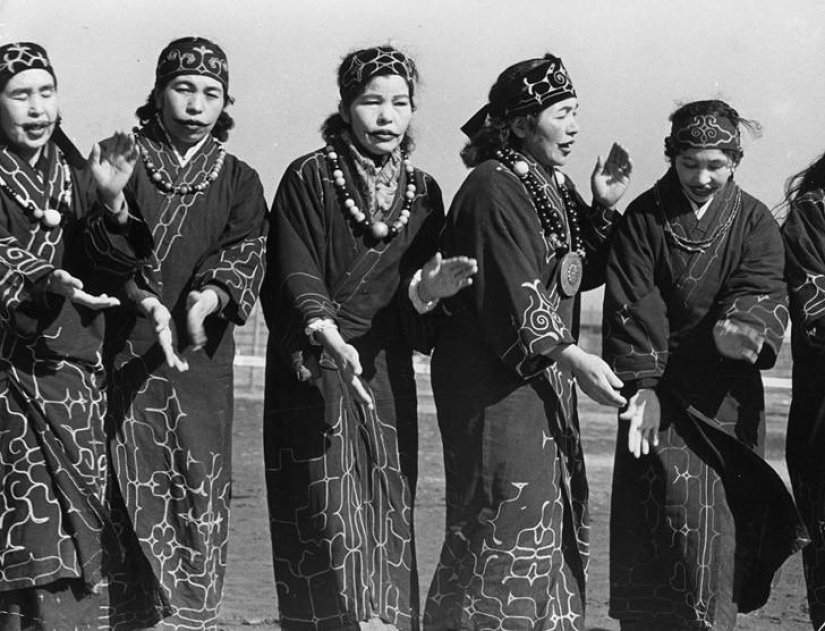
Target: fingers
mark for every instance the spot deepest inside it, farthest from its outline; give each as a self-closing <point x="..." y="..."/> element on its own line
<point x="433" y="266"/>
<point x="354" y="363"/>
<point x="361" y="393"/>
<point x="634" y="437"/>
<point x="194" y="326"/>
<point x="738" y="341"/>
<point x="199" y="304"/>
<point x="64" y="284"/>
<point x="459" y="268"/>
<point x="173" y="360"/>
<point x="613" y="380"/>
<point x="639" y="438"/>
<point x="96" y="303"/>
<point x="94" y="156"/>
<point x="618" y="161"/>
<point x="124" y="144"/>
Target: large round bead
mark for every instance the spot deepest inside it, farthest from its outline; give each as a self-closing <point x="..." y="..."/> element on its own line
<point x="379" y="230"/>
<point x="51" y="218"/>
<point x="520" y="168"/>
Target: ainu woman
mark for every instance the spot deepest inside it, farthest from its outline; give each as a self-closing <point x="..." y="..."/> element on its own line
<point x="505" y="361"/>
<point x="354" y="223"/>
<point x="695" y="307"/>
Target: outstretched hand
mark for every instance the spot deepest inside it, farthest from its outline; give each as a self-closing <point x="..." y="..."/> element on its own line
<point x="611" y="177"/>
<point x="441" y="278"/>
<point x="62" y="283"/>
<point x="644" y="413"/>
<point x="112" y="163"/>
<point x="347" y="361"/>
<point x="199" y="304"/>
<point x="739" y="341"/>
<point x="157" y="312"/>
<point x="593" y="375"/>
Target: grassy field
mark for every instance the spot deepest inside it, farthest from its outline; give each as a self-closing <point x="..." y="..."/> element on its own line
<point x="250" y="593"/>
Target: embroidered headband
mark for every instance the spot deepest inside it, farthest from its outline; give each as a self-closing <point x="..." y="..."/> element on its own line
<point x="359" y="67"/>
<point x="707" y="131"/>
<point x="526" y="93"/>
<point x="192" y="55"/>
<point x="20" y="56"/>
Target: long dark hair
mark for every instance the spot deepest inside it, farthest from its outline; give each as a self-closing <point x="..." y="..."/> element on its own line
<point x="808" y="179"/>
<point x="335" y="124"/>
<point x="713" y="107"/>
<point x="220" y="131"/>
<point x="497" y="133"/>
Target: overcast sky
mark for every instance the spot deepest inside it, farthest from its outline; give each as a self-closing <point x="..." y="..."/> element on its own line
<point x="631" y="62"/>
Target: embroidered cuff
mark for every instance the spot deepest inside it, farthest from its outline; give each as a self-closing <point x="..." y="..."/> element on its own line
<point x="420" y="306"/>
<point x="318" y="324"/>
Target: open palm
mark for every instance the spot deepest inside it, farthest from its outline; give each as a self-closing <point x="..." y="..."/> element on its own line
<point x="112" y="163"/>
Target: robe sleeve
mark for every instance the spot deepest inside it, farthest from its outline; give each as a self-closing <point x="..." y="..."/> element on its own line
<point x="115" y="251"/>
<point x="495" y="222"/>
<point x="804" y="235"/>
<point x="419" y="329"/>
<point x="237" y="264"/>
<point x="22" y="279"/>
<point x="755" y="293"/>
<point x="294" y="254"/>
<point x="635" y="326"/>
<point x="596" y="223"/>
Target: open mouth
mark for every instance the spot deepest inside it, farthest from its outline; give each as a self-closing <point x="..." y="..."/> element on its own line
<point x="36" y="127"/>
<point x="566" y="147"/>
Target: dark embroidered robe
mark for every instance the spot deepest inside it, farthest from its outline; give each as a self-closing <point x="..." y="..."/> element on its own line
<point x="54" y="519"/>
<point x="701" y="524"/>
<point x="804" y="234"/>
<point x="516" y="541"/>
<point x="341" y="478"/>
<point x="171" y="432"/>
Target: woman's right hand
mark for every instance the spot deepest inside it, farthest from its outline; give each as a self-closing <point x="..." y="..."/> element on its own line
<point x="348" y="362"/>
<point x="592" y="374"/>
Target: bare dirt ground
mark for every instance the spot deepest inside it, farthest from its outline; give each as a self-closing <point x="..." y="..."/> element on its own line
<point x="249" y="597"/>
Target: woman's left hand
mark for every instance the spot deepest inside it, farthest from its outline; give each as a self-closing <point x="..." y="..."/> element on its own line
<point x="112" y="163"/>
<point x="199" y="304"/>
<point x="611" y="177"/>
<point x="161" y="320"/>
<point x="441" y="278"/>
<point x="738" y="341"/>
<point x="644" y="411"/>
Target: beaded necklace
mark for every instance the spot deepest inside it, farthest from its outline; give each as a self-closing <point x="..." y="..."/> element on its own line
<point x="571" y="257"/>
<point x="550" y="218"/>
<point x="48" y="217"/>
<point x="696" y="245"/>
<point x="166" y="185"/>
<point x="378" y="229"/>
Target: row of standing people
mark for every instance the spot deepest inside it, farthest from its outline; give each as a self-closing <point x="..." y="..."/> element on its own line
<point x="115" y="452"/>
<point x="354" y="280"/>
<point x="695" y="307"/>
